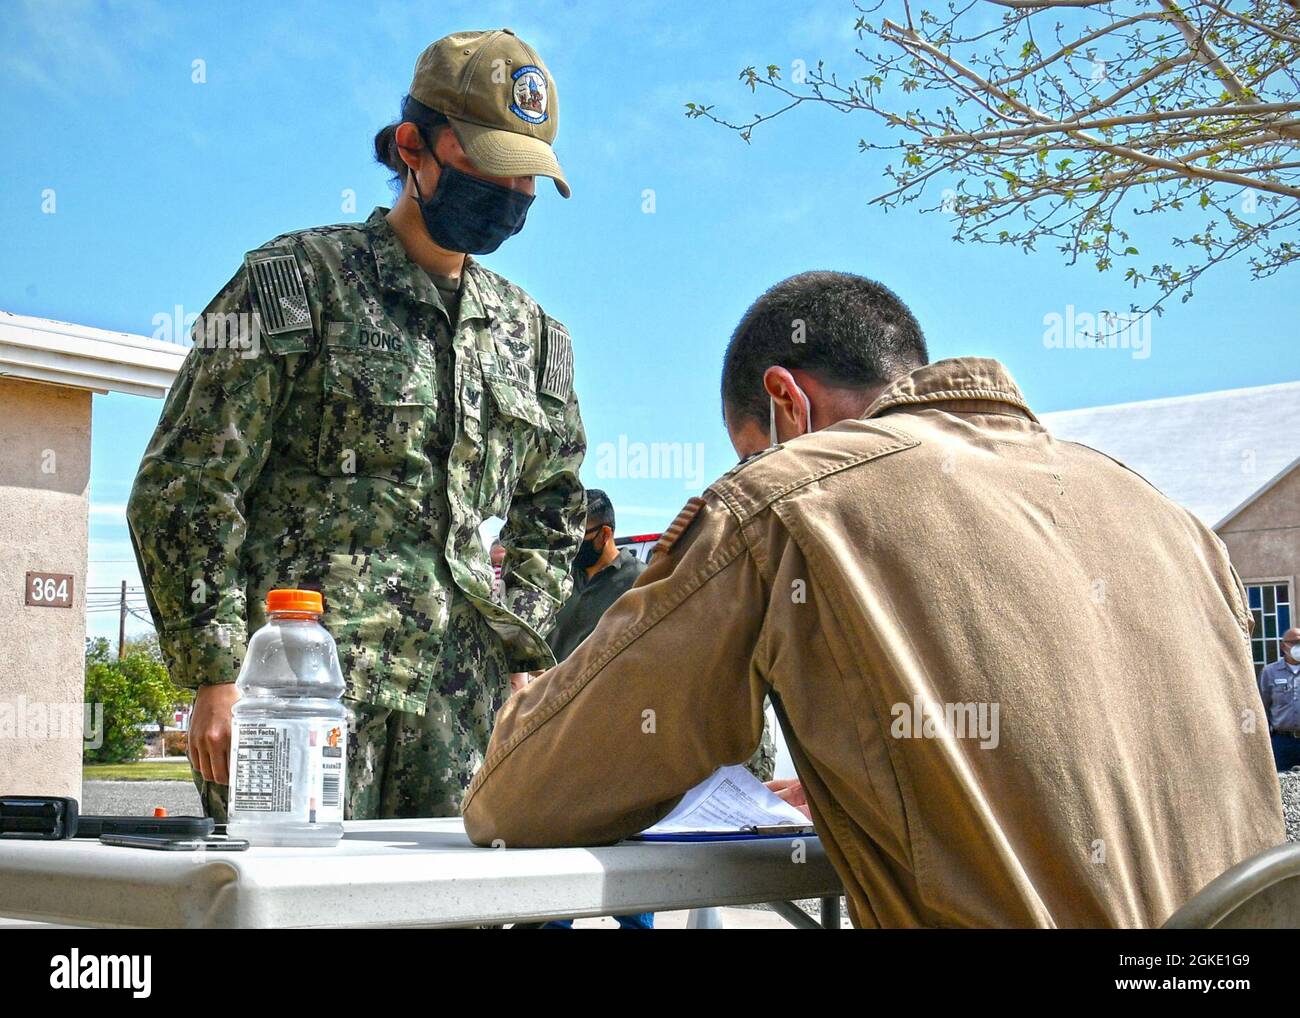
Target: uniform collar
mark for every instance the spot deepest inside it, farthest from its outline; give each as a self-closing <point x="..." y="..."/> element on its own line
<point x="969" y="384"/>
<point x="398" y="274"/>
<point x="478" y="296"/>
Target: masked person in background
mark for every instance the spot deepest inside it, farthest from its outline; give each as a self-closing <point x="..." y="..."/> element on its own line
<point x="396" y="394"/>
<point x="602" y="572"/>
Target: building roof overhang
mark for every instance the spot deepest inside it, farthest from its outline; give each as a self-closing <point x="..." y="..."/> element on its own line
<point x="61" y="353"/>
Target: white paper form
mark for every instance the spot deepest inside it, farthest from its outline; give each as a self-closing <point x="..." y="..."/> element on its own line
<point x="730" y="801"/>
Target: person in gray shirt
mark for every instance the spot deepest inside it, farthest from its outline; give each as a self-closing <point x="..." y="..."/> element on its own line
<point x="1277" y="688"/>
<point x="601" y="572"/>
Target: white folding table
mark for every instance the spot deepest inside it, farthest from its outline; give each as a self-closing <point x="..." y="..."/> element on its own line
<point x="404" y="873"/>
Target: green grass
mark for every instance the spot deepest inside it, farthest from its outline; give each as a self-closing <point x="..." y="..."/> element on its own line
<point x="142" y="770"/>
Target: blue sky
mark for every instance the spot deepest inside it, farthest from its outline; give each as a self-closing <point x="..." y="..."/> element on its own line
<point x="162" y="184"/>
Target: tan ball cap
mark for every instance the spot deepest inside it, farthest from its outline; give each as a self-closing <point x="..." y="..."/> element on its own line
<point x="500" y="99"/>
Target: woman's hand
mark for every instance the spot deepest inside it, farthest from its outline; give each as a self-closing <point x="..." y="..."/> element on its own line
<point x="209" y="734"/>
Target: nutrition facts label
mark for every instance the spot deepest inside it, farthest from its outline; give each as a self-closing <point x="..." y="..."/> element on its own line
<point x="263" y="773"/>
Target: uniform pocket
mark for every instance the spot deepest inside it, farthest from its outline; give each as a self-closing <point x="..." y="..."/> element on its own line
<point x="513" y="400"/>
<point x="512" y="424"/>
<point x="377" y="406"/>
<point x="386" y="619"/>
<point x="511" y="383"/>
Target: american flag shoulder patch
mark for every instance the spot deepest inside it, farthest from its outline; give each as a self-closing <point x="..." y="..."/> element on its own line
<point x="678" y="526"/>
<point x="555" y="376"/>
<point x="278" y="288"/>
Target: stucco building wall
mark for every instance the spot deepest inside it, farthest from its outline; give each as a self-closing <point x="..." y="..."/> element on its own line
<point x="44" y="509"/>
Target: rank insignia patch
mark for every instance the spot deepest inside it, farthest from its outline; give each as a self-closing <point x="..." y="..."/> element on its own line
<point x="678" y="527"/>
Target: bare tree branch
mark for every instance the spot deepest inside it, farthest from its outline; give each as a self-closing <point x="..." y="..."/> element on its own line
<point x="1146" y="111"/>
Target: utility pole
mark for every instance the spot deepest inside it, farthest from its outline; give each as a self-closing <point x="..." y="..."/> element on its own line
<point x="121" y="624"/>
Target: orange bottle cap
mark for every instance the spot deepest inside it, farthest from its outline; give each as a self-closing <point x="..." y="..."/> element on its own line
<point x="158" y="811"/>
<point x="294" y="601"/>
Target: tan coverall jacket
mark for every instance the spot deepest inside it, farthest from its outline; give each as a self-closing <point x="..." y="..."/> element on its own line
<point x="1014" y="678"/>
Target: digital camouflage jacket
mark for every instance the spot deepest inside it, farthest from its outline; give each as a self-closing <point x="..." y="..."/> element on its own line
<point x="331" y="428"/>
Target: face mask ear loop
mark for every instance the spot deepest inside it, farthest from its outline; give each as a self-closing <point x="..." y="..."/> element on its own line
<point x="438" y="162"/>
<point x="771" y="414"/>
<point x="807" y="409"/>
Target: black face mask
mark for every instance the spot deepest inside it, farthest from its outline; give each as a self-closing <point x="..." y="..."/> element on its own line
<point x="470" y="215"/>
<point x="588" y="555"/>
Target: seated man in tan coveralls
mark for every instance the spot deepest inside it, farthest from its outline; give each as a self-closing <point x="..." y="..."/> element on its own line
<point x="974" y="634"/>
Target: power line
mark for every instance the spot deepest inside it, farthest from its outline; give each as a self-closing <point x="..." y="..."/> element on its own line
<point x="142" y="618"/>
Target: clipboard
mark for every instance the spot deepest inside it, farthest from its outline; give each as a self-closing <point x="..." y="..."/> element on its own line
<point x="748" y="834"/>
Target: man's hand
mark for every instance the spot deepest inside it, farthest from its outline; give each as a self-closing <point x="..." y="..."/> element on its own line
<point x="210" y="731"/>
<point x="791" y="790"/>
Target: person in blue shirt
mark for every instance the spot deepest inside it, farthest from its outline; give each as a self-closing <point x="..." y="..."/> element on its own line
<point x="1277" y="688"/>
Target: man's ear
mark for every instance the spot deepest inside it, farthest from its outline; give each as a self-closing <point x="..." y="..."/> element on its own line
<point x="772" y="381"/>
<point x="780" y="384"/>
<point x="777" y="383"/>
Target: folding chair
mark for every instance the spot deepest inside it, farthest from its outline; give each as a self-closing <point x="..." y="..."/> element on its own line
<point x="1260" y="893"/>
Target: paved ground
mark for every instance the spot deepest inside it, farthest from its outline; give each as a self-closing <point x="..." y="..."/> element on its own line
<point x="746" y="918"/>
<point x="1290" y="782"/>
<point x="138" y="798"/>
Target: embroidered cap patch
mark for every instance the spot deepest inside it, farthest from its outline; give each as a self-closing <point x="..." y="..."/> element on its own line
<point x="528" y="94"/>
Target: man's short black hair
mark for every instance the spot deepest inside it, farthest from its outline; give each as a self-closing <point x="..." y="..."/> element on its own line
<point x="600" y="510"/>
<point x="848" y="331"/>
